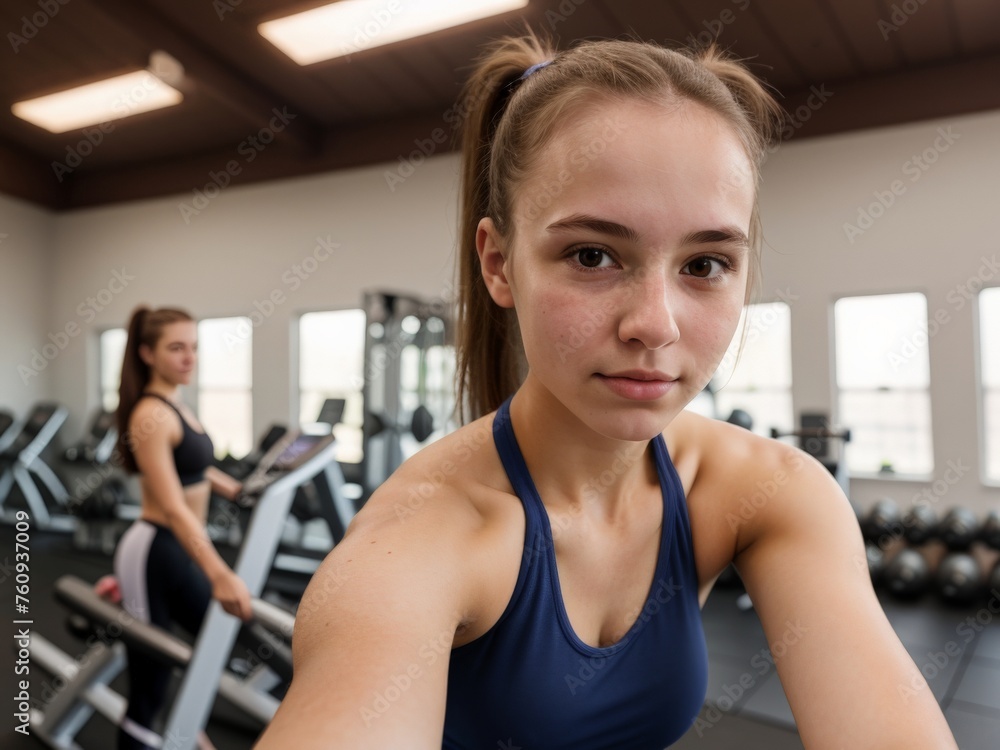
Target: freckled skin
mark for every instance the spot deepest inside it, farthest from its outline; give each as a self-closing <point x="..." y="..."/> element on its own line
<point x="663" y="172"/>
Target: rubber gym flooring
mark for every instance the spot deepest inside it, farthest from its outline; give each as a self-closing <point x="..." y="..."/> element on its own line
<point x="746" y="707"/>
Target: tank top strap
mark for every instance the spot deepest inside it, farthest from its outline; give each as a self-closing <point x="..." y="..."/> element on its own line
<point x="185" y="425"/>
<point x="144" y="394"/>
<point x="517" y="472"/>
<point x="670" y="485"/>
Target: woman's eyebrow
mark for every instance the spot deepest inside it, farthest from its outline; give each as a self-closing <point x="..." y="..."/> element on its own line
<point x="594" y="224"/>
<point x="723" y="236"/>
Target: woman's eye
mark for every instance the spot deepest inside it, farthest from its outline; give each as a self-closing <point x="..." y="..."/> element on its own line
<point x="591" y="257"/>
<point x="706" y="268"/>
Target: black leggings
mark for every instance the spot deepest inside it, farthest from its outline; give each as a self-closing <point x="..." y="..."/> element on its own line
<point x="160" y="584"/>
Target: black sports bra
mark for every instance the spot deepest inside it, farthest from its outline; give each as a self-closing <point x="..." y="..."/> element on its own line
<point x="193" y="454"/>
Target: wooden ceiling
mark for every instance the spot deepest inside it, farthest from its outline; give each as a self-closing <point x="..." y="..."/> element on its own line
<point x="882" y="62"/>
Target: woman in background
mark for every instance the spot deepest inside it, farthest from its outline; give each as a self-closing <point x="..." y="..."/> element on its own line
<point x="166" y="565"/>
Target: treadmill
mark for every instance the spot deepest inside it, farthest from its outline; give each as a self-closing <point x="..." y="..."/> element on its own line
<point x="21" y="464"/>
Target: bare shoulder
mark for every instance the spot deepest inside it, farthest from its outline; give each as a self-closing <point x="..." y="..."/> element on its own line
<point x="716" y="443"/>
<point x="454" y="498"/>
<point x="441" y="515"/>
<point x="153" y="430"/>
<point x="390" y="601"/>
<point x="152" y="418"/>
<point x="751" y="481"/>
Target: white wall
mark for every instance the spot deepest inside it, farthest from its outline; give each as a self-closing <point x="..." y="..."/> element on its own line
<point x="239" y="248"/>
<point x="26" y="251"/>
<point x="244" y="246"/>
<point x="933" y="238"/>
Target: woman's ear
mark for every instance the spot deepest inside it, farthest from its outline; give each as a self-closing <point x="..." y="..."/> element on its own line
<point x="146" y="354"/>
<point x="493" y="263"/>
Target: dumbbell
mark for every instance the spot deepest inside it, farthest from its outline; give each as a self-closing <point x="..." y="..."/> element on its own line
<point x="959" y="579"/>
<point x="989" y="532"/>
<point x="882" y="522"/>
<point x="959" y="529"/>
<point x="729" y="578"/>
<point x="421" y="424"/>
<point x="741" y="418"/>
<point x="102" y="503"/>
<point x="876" y="562"/>
<point x="994" y="581"/>
<point x="907" y="575"/>
<point x="920" y="524"/>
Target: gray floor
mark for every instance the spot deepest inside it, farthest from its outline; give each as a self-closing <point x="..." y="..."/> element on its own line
<point x="957" y="651"/>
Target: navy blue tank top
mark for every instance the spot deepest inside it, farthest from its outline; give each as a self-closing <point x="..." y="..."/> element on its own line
<point x="194" y="453"/>
<point x="530" y="682"/>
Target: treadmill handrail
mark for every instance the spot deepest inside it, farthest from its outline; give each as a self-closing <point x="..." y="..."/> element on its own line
<point x="79" y="597"/>
<point x="273" y="618"/>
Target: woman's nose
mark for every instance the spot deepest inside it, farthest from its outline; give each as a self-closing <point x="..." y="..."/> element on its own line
<point x="649" y="315"/>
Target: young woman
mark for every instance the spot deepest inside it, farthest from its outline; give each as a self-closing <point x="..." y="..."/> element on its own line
<point x="546" y="594"/>
<point x="165" y="563"/>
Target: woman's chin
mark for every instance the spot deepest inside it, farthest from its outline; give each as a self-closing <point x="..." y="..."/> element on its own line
<point x="634" y="428"/>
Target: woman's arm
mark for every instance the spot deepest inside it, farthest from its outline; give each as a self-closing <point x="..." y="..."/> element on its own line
<point x="374" y="632"/>
<point x="849" y="681"/>
<point x="154" y="457"/>
<point x="223" y="484"/>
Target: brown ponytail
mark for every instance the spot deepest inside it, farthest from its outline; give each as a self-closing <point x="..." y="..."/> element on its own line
<point x="510" y="120"/>
<point x="488" y="352"/>
<point x="144" y="327"/>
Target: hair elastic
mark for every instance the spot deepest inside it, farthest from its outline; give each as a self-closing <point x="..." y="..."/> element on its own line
<point x="507" y="91"/>
<point x="533" y="68"/>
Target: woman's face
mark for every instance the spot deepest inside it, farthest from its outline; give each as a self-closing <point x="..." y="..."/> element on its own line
<point x="173" y="359"/>
<point x="628" y="262"/>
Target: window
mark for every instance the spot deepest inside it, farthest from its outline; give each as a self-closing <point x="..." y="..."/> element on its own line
<point x="758" y="380"/>
<point x="225" y="405"/>
<point x="427" y="378"/>
<point x="112" y="353"/>
<point x="883" y="381"/>
<point x="989" y="353"/>
<point x="331" y="365"/>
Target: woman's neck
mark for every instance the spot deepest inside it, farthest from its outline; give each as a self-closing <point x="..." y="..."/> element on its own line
<point x="570" y="464"/>
<point x="160" y="387"/>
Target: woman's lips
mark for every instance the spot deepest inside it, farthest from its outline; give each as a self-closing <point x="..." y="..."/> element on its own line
<point x="638" y="386"/>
